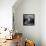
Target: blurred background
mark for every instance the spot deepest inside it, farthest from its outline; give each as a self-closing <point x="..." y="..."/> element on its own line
<point x="20" y="7"/>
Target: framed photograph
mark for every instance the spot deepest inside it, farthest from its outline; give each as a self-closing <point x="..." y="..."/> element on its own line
<point x="28" y="19"/>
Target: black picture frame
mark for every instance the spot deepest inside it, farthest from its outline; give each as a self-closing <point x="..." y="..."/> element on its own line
<point x="28" y="19"/>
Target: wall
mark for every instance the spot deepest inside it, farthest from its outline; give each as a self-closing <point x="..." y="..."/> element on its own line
<point x="43" y="22"/>
<point x="29" y="32"/>
<point x="6" y="13"/>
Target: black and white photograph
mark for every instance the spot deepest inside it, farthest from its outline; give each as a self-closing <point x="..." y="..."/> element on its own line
<point x="28" y="19"/>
